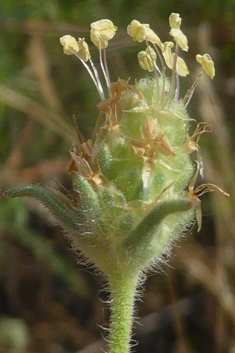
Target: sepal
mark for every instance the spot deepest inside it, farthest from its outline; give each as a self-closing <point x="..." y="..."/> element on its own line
<point x="53" y="200"/>
<point x="147" y="227"/>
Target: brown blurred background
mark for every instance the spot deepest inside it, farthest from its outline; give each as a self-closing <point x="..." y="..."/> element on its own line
<point x="48" y="302"/>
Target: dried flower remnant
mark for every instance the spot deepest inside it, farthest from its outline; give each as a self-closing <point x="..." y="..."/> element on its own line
<point x="152" y="143"/>
<point x="191" y="144"/>
<point x="130" y="179"/>
<point x="202" y="189"/>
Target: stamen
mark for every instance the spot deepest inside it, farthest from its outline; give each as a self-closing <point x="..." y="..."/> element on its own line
<point x="149" y="54"/>
<point x="95" y="78"/>
<point x="155" y="67"/>
<point x="106" y="76"/>
<point x="163" y="71"/>
<point x="106" y="66"/>
<point x="177" y="90"/>
<point x="207" y="64"/>
<point x="101" y="32"/>
<point x="173" y="77"/>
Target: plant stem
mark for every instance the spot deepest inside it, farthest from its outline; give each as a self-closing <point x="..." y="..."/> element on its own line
<point x="123" y="291"/>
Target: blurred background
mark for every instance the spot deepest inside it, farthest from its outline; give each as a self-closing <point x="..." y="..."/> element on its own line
<point x="49" y="303"/>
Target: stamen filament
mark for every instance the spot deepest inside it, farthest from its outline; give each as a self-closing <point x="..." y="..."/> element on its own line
<point x="163" y="70"/>
<point x="177" y="90"/>
<point x="97" y="78"/>
<point x="94" y="79"/>
<point x="155" y="68"/>
<point x="173" y="78"/>
<point x="106" y="76"/>
<point x="106" y="66"/>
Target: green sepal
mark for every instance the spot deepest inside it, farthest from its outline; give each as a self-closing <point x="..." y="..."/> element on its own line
<point x="50" y="199"/>
<point x="88" y="196"/>
<point x="146" y="229"/>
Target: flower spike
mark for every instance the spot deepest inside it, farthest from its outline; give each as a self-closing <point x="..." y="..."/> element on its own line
<point x="134" y="181"/>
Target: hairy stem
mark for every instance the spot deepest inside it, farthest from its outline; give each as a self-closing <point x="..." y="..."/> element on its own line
<point x="122" y="301"/>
